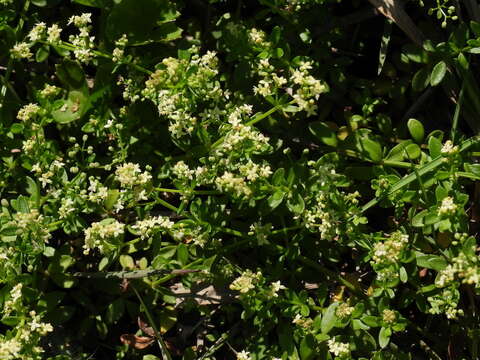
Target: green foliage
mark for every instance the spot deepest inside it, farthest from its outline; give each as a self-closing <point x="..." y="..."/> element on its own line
<point x="224" y="179"/>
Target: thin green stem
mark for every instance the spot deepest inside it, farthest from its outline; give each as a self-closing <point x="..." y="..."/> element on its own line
<point x="69" y="46"/>
<point x="457" y="114"/>
<point x="279" y="231"/>
<point x="161" y="343"/>
<point x="166" y="204"/>
<point x="194" y="192"/>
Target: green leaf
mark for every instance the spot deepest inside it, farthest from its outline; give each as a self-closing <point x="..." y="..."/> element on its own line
<point x="420" y="172"/>
<point x="39" y="3"/>
<point x="324" y="133"/>
<point x="278" y="178"/>
<point x="307" y="348"/>
<point x="417" y="220"/>
<point x="60" y="315"/>
<point x="296" y="204"/>
<point x="34" y="190"/>
<point x="397" y="153"/>
<point x="182" y="254"/>
<point x="92" y="3"/>
<point x="115" y="311"/>
<point x="434" y="146"/>
<point x="329" y="319"/>
<point x="403" y="275"/>
<point x="167" y="252"/>
<point x="372" y="149"/>
<point x="127" y="262"/>
<point x="71" y="109"/>
<point x="286" y="342"/>
<point x="413" y="151"/>
<point x="71" y="74"/>
<point x="416" y="130"/>
<point x="438" y="73"/>
<point x="275" y="199"/>
<point x="428" y="261"/>
<point x="384" y="336"/>
<point x="152" y="357"/>
<point x="153" y="23"/>
<point x="421" y="79"/>
<point x="475" y="26"/>
<point x="372" y="321"/>
<point x="111" y="198"/>
<point x="42" y="53"/>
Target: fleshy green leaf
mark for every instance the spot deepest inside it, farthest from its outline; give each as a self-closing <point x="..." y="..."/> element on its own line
<point x="438" y="73"/>
<point x="416" y="130"/>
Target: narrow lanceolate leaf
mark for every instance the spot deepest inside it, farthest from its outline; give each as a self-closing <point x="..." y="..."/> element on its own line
<point x="387" y="31"/>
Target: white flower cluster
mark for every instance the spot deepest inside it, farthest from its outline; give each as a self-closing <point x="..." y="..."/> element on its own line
<point x="229" y="182"/>
<point x="97" y="192"/>
<point x="338" y="348"/>
<point x="67" y="207"/>
<point x="446" y="302"/>
<point x="389" y="251"/>
<point x="177" y="101"/>
<point x="448" y="206"/>
<point x="275" y="287"/>
<point x="37" y="32"/>
<point x="301" y="85"/>
<point x="258" y="38"/>
<point x="243" y="355"/>
<point x="344" y="310"/>
<point x="242" y="136"/>
<point x="53" y="33"/>
<point x="27" y="112"/>
<point x="83" y="42"/>
<point x="182" y="171"/>
<point x="30" y="225"/>
<point x="302" y="322"/>
<point x="46" y="175"/>
<point x="254" y="171"/>
<point x="14" y="301"/>
<point x="129" y="175"/>
<point x="320" y="217"/>
<point x="389" y="316"/>
<point x="35" y="325"/>
<point x="21" y="51"/>
<point x="40" y="31"/>
<point x="119" y="51"/>
<point x="101" y="232"/>
<point x="13" y="349"/>
<point x="147" y="227"/>
<point x="246" y="281"/>
<point x="448" y="148"/>
<point x="49" y="90"/>
<point x="464" y="266"/>
<point x="308" y="88"/>
<point x="10" y="349"/>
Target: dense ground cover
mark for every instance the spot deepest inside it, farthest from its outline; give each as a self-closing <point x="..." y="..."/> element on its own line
<point x="228" y="179"/>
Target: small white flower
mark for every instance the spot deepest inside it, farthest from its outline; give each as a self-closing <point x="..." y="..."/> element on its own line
<point x="448" y="206"/>
<point x="448" y="148"/>
<point x="21" y="51"/>
<point x="37" y="32"/>
<point x="54" y="34"/>
<point x="243" y="355"/>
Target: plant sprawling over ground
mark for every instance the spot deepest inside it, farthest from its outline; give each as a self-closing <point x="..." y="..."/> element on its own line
<point x="228" y="179"/>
